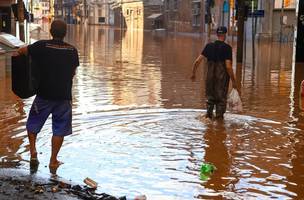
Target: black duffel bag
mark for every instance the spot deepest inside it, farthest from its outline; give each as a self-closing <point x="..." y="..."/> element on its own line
<point x="24" y="76"/>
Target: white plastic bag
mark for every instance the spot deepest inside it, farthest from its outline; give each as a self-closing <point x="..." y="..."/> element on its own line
<point x="234" y="102"/>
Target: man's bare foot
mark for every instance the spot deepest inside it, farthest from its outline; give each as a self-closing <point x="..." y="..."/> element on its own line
<point x="55" y="164"/>
<point x="34" y="159"/>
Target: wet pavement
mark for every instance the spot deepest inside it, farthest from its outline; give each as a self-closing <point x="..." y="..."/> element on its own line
<point x="138" y="126"/>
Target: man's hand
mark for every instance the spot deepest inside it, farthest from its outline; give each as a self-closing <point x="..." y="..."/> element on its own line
<point x="193" y="77"/>
<point x="22" y="51"/>
<point x="234" y="85"/>
<point x="195" y="66"/>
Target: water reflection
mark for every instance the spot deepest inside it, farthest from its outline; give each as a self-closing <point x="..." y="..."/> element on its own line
<point x="12" y="120"/>
<point x="216" y="152"/>
<point x="136" y="129"/>
<point x="296" y="179"/>
<point x="268" y="84"/>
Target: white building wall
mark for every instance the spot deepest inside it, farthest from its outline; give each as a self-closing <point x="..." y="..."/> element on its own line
<point x="100" y="13"/>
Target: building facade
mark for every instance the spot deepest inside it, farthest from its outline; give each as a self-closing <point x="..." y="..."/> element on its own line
<point x="94" y="12"/>
<point x="100" y="13"/>
<point x="194" y="15"/>
<point x="184" y="15"/>
<point x="67" y="10"/>
<point x="138" y="14"/>
<point x="42" y="10"/>
<point x="6" y="16"/>
<point x="279" y="19"/>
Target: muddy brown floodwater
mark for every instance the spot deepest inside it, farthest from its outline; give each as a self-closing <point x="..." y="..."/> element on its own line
<point x="137" y="125"/>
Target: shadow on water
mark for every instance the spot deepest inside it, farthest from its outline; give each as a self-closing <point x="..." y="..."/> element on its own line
<point x="216" y="152"/>
<point x="137" y="126"/>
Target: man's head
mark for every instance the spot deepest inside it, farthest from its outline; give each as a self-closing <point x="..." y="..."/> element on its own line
<point x="58" y="29"/>
<point x="221" y="33"/>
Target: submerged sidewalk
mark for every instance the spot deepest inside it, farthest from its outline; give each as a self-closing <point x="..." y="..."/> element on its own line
<point x="16" y="185"/>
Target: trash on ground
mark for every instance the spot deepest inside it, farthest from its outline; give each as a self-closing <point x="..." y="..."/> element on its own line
<point x="28" y="189"/>
<point x="90" y="183"/>
<point x="140" y="197"/>
<point x="85" y="192"/>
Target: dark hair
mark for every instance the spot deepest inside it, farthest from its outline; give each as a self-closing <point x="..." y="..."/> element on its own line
<point x="58" y="29"/>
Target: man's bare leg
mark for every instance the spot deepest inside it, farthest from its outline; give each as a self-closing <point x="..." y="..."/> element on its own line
<point x="56" y="145"/>
<point x="32" y="139"/>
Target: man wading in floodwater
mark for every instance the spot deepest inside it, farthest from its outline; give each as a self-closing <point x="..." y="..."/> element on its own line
<point x="219" y="61"/>
<point x="56" y="62"/>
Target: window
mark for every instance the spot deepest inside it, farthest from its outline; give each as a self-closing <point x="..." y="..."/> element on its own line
<point x="175" y="4"/>
<point x="167" y="4"/>
<point x="196" y="14"/>
<point x="196" y="20"/>
<point x="196" y="8"/>
<point x="101" y="19"/>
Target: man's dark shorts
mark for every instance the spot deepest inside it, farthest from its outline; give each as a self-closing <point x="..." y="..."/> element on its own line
<point x="61" y="111"/>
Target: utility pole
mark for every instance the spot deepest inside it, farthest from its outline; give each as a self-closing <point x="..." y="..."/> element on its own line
<point x="253" y="34"/>
<point x="281" y="21"/>
<point x="240" y="33"/>
<point x="300" y="34"/>
<point x="203" y="18"/>
<point x="85" y="11"/>
<point x="32" y="9"/>
<point x="21" y="19"/>
<point x="209" y="17"/>
<point x="61" y="7"/>
<point x="50" y="10"/>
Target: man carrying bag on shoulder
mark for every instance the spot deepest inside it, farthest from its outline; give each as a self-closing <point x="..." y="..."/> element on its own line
<point x="57" y="62"/>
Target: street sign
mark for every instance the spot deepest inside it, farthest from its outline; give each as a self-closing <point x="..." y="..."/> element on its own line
<point x="256" y="13"/>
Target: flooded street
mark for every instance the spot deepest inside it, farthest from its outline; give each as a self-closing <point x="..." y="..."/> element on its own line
<point x="138" y="125"/>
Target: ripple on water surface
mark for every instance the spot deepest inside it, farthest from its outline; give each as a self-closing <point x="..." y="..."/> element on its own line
<point x="158" y="152"/>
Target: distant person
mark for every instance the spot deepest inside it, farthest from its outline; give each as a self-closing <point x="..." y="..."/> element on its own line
<point x="56" y="62"/>
<point x="219" y="62"/>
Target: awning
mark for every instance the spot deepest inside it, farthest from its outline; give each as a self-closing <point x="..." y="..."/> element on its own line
<point x="155" y="16"/>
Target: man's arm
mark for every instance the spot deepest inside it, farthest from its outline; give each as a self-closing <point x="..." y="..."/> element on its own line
<point x="22" y="51"/>
<point x="195" y="66"/>
<point x="75" y="61"/>
<point x="231" y="74"/>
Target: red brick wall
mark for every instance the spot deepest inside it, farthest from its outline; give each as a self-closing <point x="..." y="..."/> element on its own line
<point x="180" y="20"/>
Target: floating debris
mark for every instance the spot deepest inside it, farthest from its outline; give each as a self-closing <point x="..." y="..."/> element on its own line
<point x="206" y="171"/>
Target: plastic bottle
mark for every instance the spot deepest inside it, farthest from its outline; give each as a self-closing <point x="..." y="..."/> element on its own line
<point x="206" y="170"/>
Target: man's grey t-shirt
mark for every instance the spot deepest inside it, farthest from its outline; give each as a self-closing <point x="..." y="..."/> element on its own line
<point x="56" y="62"/>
